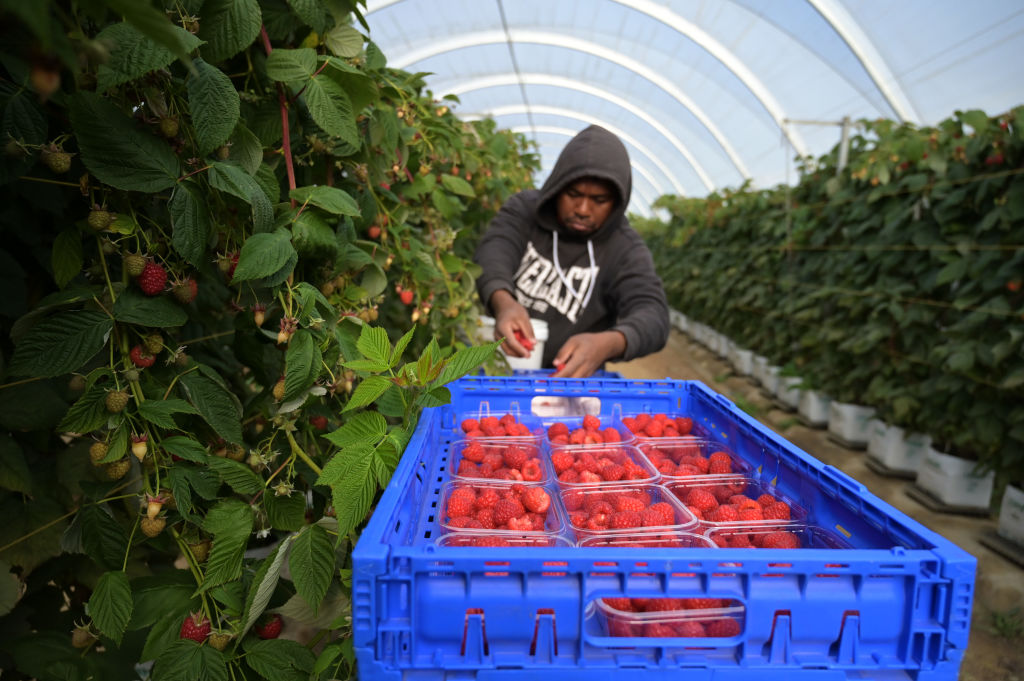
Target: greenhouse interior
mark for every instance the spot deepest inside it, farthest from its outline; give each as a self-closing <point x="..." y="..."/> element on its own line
<point x="472" y="339"/>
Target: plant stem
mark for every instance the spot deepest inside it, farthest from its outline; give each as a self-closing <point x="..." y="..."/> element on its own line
<point x="21" y="382"/>
<point x="286" y="141"/>
<point x="297" y="450"/>
<point x="128" y="549"/>
<point x="45" y="181"/>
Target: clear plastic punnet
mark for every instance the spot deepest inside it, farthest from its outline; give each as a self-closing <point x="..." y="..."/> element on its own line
<point x="688" y="457"/>
<point x="669" y="617"/>
<point x="779" y="537"/>
<point x="486" y="422"/>
<point x="499" y="508"/>
<point x="621" y="509"/>
<point x="482" y="539"/>
<point x="736" y="501"/>
<point x="499" y="460"/>
<point x="588" y="430"/>
<point x="600" y="465"/>
<point x="652" y="426"/>
<point x="659" y="540"/>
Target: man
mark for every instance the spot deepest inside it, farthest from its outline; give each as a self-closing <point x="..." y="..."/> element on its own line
<point x="567" y="254"/>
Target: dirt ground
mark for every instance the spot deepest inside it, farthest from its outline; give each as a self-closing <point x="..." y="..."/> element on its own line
<point x="995" y="651"/>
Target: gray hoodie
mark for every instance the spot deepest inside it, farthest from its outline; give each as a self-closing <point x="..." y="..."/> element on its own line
<point x="608" y="284"/>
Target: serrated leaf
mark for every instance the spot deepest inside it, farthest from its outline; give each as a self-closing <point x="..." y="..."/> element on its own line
<point x="374" y="344"/>
<point x="349" y="474"/>
<point x="331" y="199"/>
<point x="368" y="390"/>
<point x="61" y="343"/>
<point x="237" y="475"/>
<point x="953" y="271"/>
<point x="290" y="66"/>
<point x="160" y="412"/>
<point x="280" y="659"/>
<point x="372" y="365"/>
<point x="365" y="428"/>
<point x="312" y="564"/>
<point x="465" y="361"/>
<point x="302" y="362"/>
<point x="66" y="257"/>
<point x="117" y="151"/>
<point x="334" y="606"/>
<point x="217" y="406"/>
<point x="233" y="180"/>
<point x="103" y="538"/>
<point x="110" y="605"/>
<point x="457" y="185"/>
<point x="117" y="444"/>
<point x="331" y="109"/>
<point x="132" y="307"/>
<point x="185" y="659"/>
<point x="214" y="103"/>
<point x="264" y="583"/>
<point x="154" y="24"/>
<point x="181" y="446"/>
<point x="312" y="12"/>
<point x="228" y="27"/>
<point x="285" y="512"/>
<point x="247" y="150"/>
<point x="263" y="255"/>
<point x="14" y="473"/>
<point x="312" y="237"/>
<point x="401" y="345"/>
<point x="158" y="596"/>
<point x="344" y="41"/>
<point x="190" y="223"/>
<point x="374" y="281"/>
<point x="230" y="522"/>
<point x="133" y="54"/>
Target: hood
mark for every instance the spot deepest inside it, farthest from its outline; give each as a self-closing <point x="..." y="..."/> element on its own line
<point x="594" y="152"/>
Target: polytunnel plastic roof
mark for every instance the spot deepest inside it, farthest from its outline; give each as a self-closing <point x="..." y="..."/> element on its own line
<point x="707" y="93"/>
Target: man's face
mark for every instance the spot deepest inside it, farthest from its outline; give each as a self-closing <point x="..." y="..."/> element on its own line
<point x="584" y="205"/>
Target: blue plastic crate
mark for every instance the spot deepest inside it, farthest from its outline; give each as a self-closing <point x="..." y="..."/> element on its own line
<point x="896" y="606"/>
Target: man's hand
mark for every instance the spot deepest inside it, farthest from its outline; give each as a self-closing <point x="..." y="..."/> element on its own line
<point x="584" y="353"/>
<point x="512" y="322"/>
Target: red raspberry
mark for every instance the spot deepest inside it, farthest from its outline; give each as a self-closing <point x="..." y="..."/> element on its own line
<point x="487" y="497"/>
<point x="668" y="514"/>
<point x="751" y="514"/>
<point x="612" y="472"/>
<point x="532" y="471"/>
<point x="726" y="513"/>
<point x="556" y="429"/>
<point x="521" y="524"/>
<point x="719" y="466"/>
<point x="562" y="460"/>
<point x="492" y="541"/>
<point x="195" y="627"/>
<point x="699" y="514"/>
<point x="654" y="429"/>
<point x="467" y="469"/>
<point x="740" y="540"/>
<point x="474" y="452"/>
<point x="271" y="628"/>
<point x="507" y="509"/>
<point x="766" y="499"/>
<point x="489" y="422"/>
<point x="742" y="501"/>
<point x="701" y="498"/>
<point x="569" y="477"/>
<point x="493" y="459"/>
<point x="537" y="520"/>
<point x="666" y="467"/>
<point x="560" y="440"/>
<point x="650" y="517"/>
<point x="473" y="434"/>
<point x="609" y="434"/>
<point x="465" y="522"/>
<point x="536" y="499"/>
<point x="621" y="520"/>
<point x="627" y="502"/>
<point x="507" y="421"/>
<point x="486" y="518"/>
<point x="598" y="522"/>
<point x="153" y="279"/>
<point x="141" y="358"/>
<point x="461" y="502"/>
<point x="573" y="499"/>
<point x="690" y="629"/>
<point x="642" y="420"/>
<point x="623" y="604"/>
<point x="185" y="290"/>
<point x="777" y="510"/>
<point x="701" y="603"/>
<point x="591" y="422"/>
<point x="684" y="425"/>
<point x="663" y="605"/>
<point x="780" y="540"/>
<point x="495" y="430"/>
<point x="586" y="477"/>
<point x="578" y="518"/>
<point x="469" y="425"/>
<point x="670" y="431"/>
<point x="722" y="628"/>
<point x="630" y="423"/>
<point x="577" y="437"/>
<point x="515" y="457"/>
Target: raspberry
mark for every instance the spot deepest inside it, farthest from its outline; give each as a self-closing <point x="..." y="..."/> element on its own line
<point x="407" y="296"/>
<point x="587" y="462"/>
<point x="151" y="527"/>
<point x="185" y="290"/>
<point x="663" y="605"/>
<point x="621" y="520"/>
<point x="152" y="279"/>
<point x="684" y="425"/>
<point x="169" y="129"/>
<point x="470" y="424"/>
<point x="625" y="502"/>
<point x="591" y="422"/>
<point x="766" y="499"/>
<point x="490" y="541"/>
<point x="726" y="513"/>
<point x="777" y="510"/>
<point x="116" y="401"/>
<point x="642" y="420"/>
<point x="461" y="502"/>
<point x="701" y="603"/>
<point x="219" y="639"/>
<point x="279" y="389"/>
<point x="507" y="509"/>
<point x="577" y="437"/>
<point x="690" y="629"/>
<point x="630" y="424"/>
<point x="532" y="471"/>
<point x="487" y="497"/>
<point x="318" y="421"/>
<point x="515" y="457"/>
<point x="722" y="628"/>
<point x="611" y="435"/>
<point x="536" y="499"/>
<point x="99" y="218"/>
<point x="153" y="343"/>
<point x="141" y="358"/>
<point x="521" y="524"/>
<point x="486" y="518"/>
<point x="751" y="514"/>
<point x="652" y="518"/>
<point x="569" y="477"/>
<point x="668" y="514"/>
<point x="654" y="428"/>
<point x="57" y="160"/>
<point x="133" y="264"/>
<point x="269" y="629"/>
<point x="196" y="627"/>
<point x="701" y="498"/>
<point x="473" y="452"/>
<point x="507" y="422"/>
<point x="780" y="540"/>
<point x="612" y="472"/>
<point x="719" y="467"/>
<point x="623" y="604"/>
<point x="97" y="452"/>
<point x="557" y="429"/>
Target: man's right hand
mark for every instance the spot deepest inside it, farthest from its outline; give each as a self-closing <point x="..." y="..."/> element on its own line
<point x="512" y="322"/>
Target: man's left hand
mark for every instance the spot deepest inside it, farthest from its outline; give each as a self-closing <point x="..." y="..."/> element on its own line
<point x="584" y="353"/>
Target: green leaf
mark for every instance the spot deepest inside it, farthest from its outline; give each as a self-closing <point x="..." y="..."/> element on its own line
<point x="280" y="659"/>
<point x="465" y="361"/>
<point x="61" y="343"/>
<point x="952" y="272"/>
<point x="263" y="255"/>
<point x="117" y="151"/>
<point x="88" y="413"/>
<point x="247" y="150"/>
<point x="217" y="406"/>
<point x="213" y="101"/>
<point x="1012" y="380"/>
<point x="312" y="12"/>
<point x="291" y="66"/>
<point x="264" y="583"/>
<point x="230" y="522"/>
<point x="286" y="512"/>
<point x="302" y="364"/>
<point x="40" y="521"/>
<point x="364" y="428"/>
<point x="66" y="258"/>
<point x="160" y="412"/>
<point x="228" y="27"/>
<point x="237" y="475"/>
<point x="312" y="237"/>
<point x="133" y="54"/>
<point x="232" y="179"/>
<point x="312" y="564"/>
<point x="374" y="344"/>
<point x="331" y="199"/>
<point x="344" y="41"/>
<point x="168" y="594"/>
<point x="133" y="307"/>
<point x="25" y="122"/>
<point x="110" y="605"/>
<point x="10" y="588"/>
<point x="349" y="474"/>
<point x="181" y="446"/>
<point x="374" y="281"/>
<point x="155" y="25"/>
<point x="186" y="660"/>
<point x="14" y="473"/>
<point x="961" y="360"/>
<point x="103" y="538"/>
<point x="331" y="109"/>
<point x="457" y="185"/>
<point x="368" y="390"/>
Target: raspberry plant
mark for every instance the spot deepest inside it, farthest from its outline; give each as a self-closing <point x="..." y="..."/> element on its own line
<point x="208" y="372"/>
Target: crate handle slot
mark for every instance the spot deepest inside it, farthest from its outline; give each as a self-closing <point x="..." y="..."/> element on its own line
<point x="844" y="648"/>
<point x="544" y="646"/>
<point x="474" y="636"/>
<point x="778" y="649"/>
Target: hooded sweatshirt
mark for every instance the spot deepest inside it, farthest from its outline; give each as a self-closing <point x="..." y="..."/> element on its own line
<point x="595" y="282"/>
